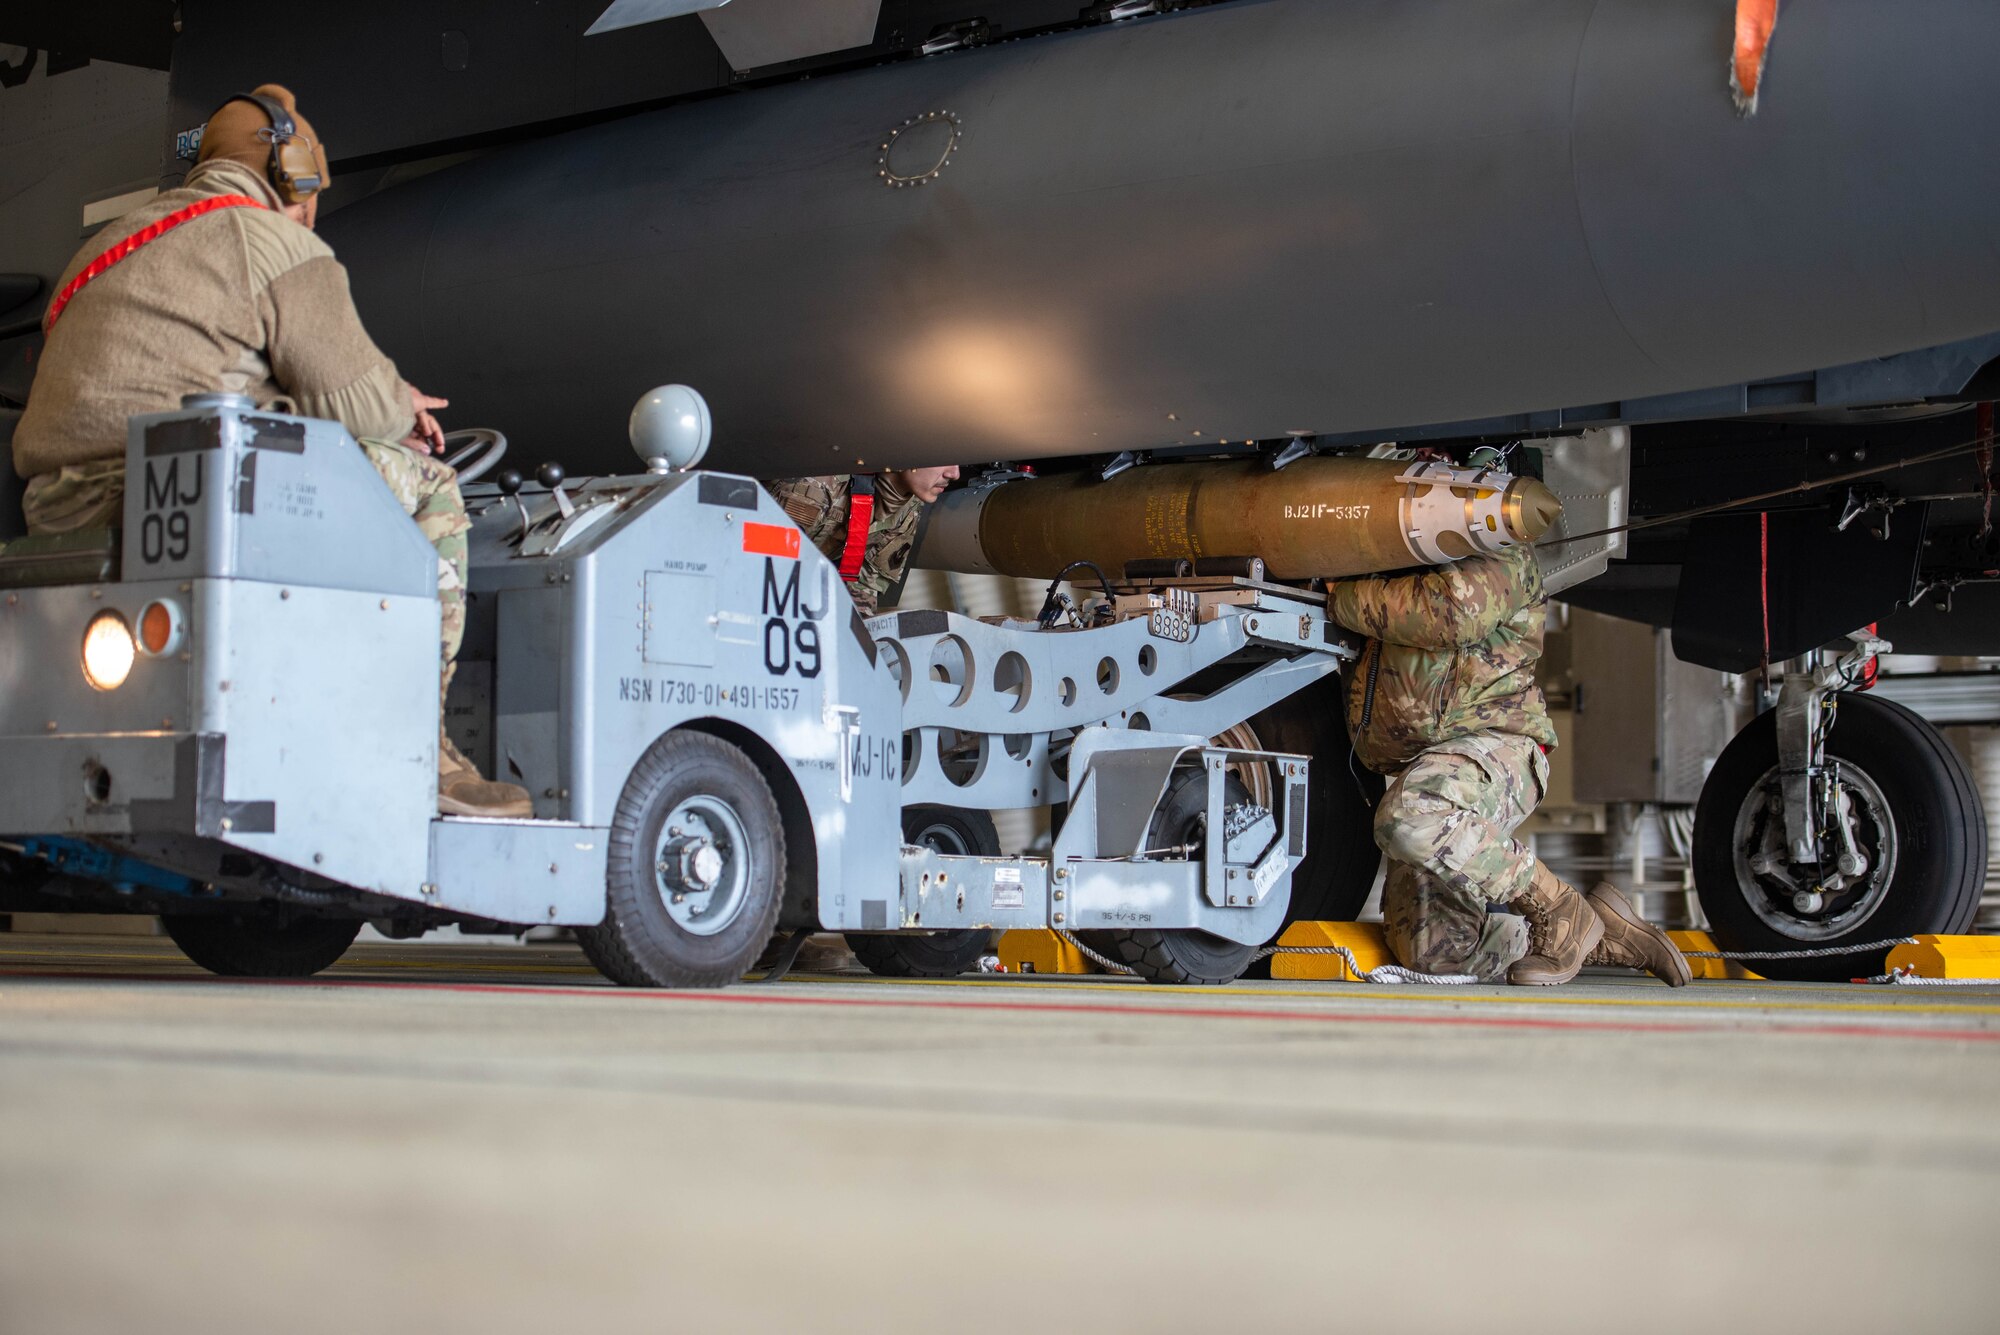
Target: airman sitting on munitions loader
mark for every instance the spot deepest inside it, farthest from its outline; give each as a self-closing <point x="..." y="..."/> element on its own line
<point x="1444" y="701"/>
<point x="220" y="286"/>
<point x="866" y="525"/>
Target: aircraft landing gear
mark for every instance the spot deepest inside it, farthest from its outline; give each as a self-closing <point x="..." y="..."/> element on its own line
<point x="1862" y="825"/>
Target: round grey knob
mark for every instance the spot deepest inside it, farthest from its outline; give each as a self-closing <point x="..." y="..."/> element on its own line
<point x="550" y="475"/>
<point x="231" y="402"/>
<point x="671" y="428"/>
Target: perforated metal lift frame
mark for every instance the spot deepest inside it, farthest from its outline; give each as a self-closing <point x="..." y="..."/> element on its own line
<point x="1101" y="874"/>
<point x="988" y="711"/>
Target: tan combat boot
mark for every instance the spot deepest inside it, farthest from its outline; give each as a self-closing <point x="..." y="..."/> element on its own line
<point x="1633" y="943"/>
<point x="1562" y="931"/>
<point x="462" y="792"/>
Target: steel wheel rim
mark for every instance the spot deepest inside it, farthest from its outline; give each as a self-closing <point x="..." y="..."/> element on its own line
<point x="701" y="865"/>
<point x="942" y="837"/>
<point x="1761" y="828"/>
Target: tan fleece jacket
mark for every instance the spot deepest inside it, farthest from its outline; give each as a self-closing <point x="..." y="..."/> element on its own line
<point x="243" y="301"/>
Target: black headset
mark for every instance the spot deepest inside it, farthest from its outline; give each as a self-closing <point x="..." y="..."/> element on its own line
<point x="294" y="168"/>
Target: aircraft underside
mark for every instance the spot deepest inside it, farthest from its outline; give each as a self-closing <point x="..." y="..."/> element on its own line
<point x="1073" y="233"/>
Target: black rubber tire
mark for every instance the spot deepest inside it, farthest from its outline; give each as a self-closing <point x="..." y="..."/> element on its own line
<point x="252" y="947"/>
<point x="639" y="944"/>
<point x="1940" y="831"/>
<point x="21" y="882"/>
<point x="951" y="830"/>
<point x="1183" y="956"/>
<point x="1333" y="882"/>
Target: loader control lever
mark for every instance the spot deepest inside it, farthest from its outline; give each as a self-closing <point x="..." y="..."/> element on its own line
<point x="551" y="475"/>
<point x="510" y="482"/>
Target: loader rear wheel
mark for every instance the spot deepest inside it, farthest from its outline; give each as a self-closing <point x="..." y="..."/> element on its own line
<point x="1198" y="959"/>
<point x="957" y="833"/>
<point x="261" y="947"/>
<point x="1182" y="956"/>
<point x="697" y="868"/>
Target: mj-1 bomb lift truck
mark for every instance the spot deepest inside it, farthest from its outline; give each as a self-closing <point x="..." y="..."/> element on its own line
<point x="227" y="714"/>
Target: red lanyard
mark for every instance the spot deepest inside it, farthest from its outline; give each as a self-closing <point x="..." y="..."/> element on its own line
<point x="860" y="518"/>
<point x="150" y="232"/>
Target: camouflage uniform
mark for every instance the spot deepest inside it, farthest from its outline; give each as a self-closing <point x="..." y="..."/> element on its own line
<point x="76" y="497"/>
<point x="1444" y="699"/>
<point x="818" y="505"/>
<point x="427" y="489"/>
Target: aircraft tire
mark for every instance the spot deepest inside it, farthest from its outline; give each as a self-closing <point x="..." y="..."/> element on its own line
<point x="697" y="868"/>
<point x="261" y="948"/>
<point x="1919" y="821"/>
<point x="1341" y="861"/>
<point x="957" y="832"/>
<point x="1332" y="884"/>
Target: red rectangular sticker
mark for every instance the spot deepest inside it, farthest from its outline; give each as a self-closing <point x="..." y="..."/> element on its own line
<point x="771" y="540"/>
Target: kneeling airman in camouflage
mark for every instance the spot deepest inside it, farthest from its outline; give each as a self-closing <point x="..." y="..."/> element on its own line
<point x="1444" y="701"/>
<point x="866" y="525"/>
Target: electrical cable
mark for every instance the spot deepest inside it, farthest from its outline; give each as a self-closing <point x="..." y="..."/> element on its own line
<point x="1974" y="446"/>
<point x="1052" y="600"/>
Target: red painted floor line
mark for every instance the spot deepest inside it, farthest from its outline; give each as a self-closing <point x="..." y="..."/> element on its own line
<point x="739" y="997"/>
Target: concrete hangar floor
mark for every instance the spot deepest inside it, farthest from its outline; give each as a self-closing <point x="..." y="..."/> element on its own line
<point x="491" y="1139"/>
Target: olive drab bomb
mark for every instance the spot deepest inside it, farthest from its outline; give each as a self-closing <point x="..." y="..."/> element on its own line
<point x="1319" y="518"/>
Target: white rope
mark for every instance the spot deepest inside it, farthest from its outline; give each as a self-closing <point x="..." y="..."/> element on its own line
<point x="1110" y="966"/>
<point x="1381" y="973"/>
<point x="1908" y="977"/>
<point x="1824" y="952"/>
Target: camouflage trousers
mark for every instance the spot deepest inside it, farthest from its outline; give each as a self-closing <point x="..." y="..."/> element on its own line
<point x="75" y="497"/>
<point x="427" y="489"/>
<point x="1447" y="824"/>
<point x="92" y="495"/>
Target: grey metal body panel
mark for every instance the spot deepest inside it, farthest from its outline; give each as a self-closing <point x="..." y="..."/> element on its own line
<point x="332" y="755"/>
<point x="643" y="612"/>
<point x="264" y="496"/>
<point x="349" y="757"/>
<point x="1100" y="874"/>
<point x="519" y="871"/>
<point x="296" y="717"/>
<point x="43" y="691"/>
<point x="1241" y="221"/>
<point x="1592" y="475"/>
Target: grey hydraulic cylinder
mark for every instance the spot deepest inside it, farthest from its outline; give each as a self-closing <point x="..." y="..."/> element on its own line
<point x="1235" y="222"/>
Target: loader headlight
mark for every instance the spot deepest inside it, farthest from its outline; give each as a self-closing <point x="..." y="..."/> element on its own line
<point x="108" y="651"/>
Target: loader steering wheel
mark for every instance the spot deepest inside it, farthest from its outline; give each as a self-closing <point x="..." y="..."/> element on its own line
<point x="474" y="451"/>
